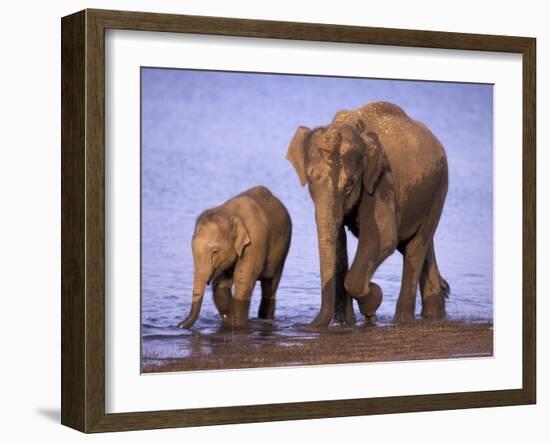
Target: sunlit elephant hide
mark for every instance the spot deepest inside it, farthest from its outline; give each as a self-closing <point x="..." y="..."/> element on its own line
<point x="384" y="176"/>
<point x="244" y="240"/>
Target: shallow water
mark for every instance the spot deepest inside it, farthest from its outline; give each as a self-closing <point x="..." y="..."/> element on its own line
<point x="207" y="136"/>
<point x="272" y="344"/>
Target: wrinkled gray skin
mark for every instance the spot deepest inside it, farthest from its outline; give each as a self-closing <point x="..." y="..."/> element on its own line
<point x="244" y="240"/>
<point x="385" y="177"/>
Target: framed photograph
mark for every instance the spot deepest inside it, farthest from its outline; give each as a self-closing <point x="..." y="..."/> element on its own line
<point x="267" y="220"/>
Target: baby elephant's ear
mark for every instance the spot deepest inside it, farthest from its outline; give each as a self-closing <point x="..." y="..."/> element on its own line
<point x="242" y="239"/>
<point x="297" y="153"/>
<point x="374" y="161"/>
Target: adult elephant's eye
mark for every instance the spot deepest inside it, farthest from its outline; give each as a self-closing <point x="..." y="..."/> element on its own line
<point x="349" y="187"/>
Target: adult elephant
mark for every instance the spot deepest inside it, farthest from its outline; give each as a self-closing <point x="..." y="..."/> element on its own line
<point x="385" y="177"/>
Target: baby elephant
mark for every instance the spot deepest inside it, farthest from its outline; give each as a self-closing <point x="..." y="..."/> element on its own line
<point x="244" y="240"/>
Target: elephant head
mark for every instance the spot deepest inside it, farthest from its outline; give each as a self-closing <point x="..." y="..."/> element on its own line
<point x="218" y="241"/>
<point x="338" y="162"/>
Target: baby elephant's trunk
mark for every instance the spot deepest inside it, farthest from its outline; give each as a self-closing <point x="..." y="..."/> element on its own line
<point x="199" y="286"/>
<point x="193" y="314"/>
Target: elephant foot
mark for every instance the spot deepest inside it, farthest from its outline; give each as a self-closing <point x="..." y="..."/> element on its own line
<point x="226" y="318"/>
<point x="403" y="317"/>
<point x="433" y="307"/>
<point x="404" y="313"/>
<point x="346" y="319"/>
<point x="322" y="320"/>
<point x="267" y="309"/>
<point x="369" y="304"/>
<point x="239" y="313"/>
<point x="225" y="313"/>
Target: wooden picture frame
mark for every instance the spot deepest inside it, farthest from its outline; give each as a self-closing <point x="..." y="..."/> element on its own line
<point x="83" y="220"/>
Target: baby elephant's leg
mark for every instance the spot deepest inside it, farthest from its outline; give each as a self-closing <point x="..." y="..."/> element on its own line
<point x="222" y="296"/>
<point x="269" y="289"/>
<point x="241" y="302"/>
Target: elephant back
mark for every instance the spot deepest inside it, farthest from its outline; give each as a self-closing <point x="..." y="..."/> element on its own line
<point x="380" y="109"/>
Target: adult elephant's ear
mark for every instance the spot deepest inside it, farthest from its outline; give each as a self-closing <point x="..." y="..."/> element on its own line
<point x="240" y="235"/>
<point x="375" y="161"/>
<point x="296" y="153"/>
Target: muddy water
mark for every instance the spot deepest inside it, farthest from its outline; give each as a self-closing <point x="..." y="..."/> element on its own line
<point x="207" y="136"/>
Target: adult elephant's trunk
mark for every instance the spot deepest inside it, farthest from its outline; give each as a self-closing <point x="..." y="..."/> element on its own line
<point x="328" y="224"/>
<point x="199" y="285"/>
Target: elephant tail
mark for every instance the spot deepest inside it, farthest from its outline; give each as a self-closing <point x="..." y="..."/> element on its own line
<point x="445" y="287"/>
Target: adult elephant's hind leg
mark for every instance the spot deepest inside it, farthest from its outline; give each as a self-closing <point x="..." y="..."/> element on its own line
<point x="414" y="253"/>
<point x="433" y="287"/>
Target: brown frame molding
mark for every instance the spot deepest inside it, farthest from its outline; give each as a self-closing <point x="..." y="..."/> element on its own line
<point x="83" y="217"/>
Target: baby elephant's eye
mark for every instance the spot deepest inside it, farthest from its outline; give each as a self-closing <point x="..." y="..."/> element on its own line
<point x="215" y="251"/>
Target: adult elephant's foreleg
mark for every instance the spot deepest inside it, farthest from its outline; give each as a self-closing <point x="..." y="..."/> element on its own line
<point x="367" y="294"/>
<point x="343" y="310"/>
<point x="377" y="241"/>
<point x="358" y="280"/>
